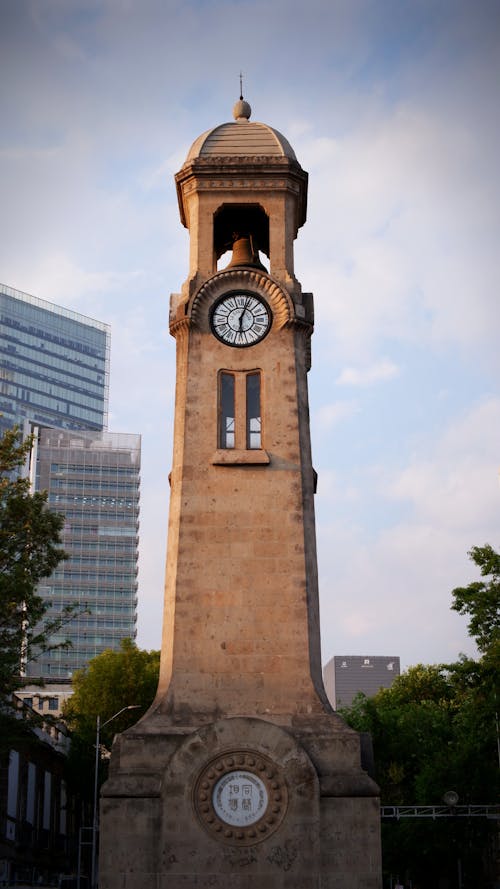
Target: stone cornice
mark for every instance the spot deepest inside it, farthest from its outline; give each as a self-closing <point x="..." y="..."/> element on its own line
<point x="257" y="173"/>
<point x="251" y="160"/>
<point x="179" y="327"/>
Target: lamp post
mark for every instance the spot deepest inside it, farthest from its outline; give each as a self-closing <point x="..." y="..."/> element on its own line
<point x="93" y="875"/>
<point x="450" y="799"/>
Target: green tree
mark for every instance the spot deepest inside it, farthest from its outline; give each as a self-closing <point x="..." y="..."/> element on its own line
<point x="410" y="724"/>
<point x="30" y="549"/>
<point x="435" y="730"/>
<point x="111" y="681"/>
<point x="481" y="599"/>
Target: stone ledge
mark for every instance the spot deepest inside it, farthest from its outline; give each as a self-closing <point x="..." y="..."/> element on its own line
<point x="233" y="456"/>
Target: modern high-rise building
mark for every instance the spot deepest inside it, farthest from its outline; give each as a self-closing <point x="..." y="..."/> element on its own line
<point x="54" y="377"/>
<point x="346" y="675"/>
<point x="54" y="364"/>
<point x="93" y="479"/>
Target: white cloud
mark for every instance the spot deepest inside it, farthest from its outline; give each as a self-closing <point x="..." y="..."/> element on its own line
<point x="456" y="486"/>
<point x="58" y="279"/>
<point x="391" y="589"/>
<point x="331" y="414"/>
<point x="365" y="376"/>
<point x="409" y="247"/>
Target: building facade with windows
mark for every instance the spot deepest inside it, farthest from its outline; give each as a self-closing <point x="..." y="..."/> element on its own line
<point x="346" y="675"/>
<point x="54" y="364"/>
<point x="40" y="815"/>
<point x="94" y="480"/>
<point x="54" y="379"/>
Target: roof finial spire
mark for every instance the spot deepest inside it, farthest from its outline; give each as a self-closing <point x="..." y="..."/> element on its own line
<point x="242" y="110"/>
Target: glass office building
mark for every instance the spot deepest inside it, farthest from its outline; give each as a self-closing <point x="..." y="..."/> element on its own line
<point x="54" y="377"/>
<point x="93" y="478"/>
<point x="54" y="364"/>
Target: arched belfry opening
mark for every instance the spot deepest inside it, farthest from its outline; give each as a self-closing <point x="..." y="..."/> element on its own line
<point x="242" y="229"/>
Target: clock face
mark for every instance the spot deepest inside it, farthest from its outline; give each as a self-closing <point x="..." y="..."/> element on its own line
<point x="240" y="319"/>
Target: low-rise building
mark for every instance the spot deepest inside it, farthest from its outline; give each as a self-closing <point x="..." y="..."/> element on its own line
<point x="40" y="817"/>
<point x="346" y="675"/>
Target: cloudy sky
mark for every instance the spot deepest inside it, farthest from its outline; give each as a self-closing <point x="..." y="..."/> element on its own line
<point x="392" y="107"/>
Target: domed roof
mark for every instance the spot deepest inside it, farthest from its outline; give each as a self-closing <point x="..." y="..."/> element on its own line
<point x="241" y="138"/>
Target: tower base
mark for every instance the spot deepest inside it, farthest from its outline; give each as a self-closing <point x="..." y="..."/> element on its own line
<point x="240" y="803"/>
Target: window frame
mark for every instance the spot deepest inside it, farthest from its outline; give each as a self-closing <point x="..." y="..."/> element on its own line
<point x="242" y="434"/>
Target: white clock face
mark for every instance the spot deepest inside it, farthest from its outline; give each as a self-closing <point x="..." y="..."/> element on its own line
<point x="240" y="319"/>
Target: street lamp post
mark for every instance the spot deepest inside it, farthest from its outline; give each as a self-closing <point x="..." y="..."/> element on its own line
<point x="451" y="798"/>
<point x="93" y="875"/>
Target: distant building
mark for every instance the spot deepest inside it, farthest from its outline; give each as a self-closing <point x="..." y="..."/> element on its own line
<point x="54" y="379"/>
<point x="39" y="815"/>
<point x="346" y="675"/>
<point x="54" y="364"/>
<point x="47" y="699"/>
<point x="93" y="478"/>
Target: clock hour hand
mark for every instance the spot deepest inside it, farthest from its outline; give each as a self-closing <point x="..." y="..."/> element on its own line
<point x="243" y="313"/>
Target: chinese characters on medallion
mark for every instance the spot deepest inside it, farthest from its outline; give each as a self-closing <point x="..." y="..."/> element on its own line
<point x="240" y="798"/>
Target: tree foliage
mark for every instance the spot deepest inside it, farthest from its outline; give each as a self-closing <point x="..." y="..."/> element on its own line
<point x="435" y="730"/>
<point x="111" y="681"/>
<point x="481" y="599"/>
<point x="30" y="549"/>
<point x="427" y="742"/>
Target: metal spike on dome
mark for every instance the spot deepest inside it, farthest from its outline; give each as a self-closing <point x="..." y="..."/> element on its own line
<point x="242" y="109"/>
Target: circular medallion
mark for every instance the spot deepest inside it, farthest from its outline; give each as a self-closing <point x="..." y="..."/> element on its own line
<point x="240" y="797"/>
<point x="240" y="319"/>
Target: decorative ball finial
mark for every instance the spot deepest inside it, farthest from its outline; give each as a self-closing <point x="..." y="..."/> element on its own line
<point x="242" y="110"/>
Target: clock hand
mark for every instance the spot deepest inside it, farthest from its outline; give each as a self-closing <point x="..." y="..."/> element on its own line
<point x="243" y="314"/>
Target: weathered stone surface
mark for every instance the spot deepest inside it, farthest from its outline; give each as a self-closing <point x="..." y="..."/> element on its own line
<point x="322" y="831"/>
<point x="240" y="775"/>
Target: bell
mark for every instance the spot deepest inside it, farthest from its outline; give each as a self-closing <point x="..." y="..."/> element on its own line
<point x="245" y="253"/>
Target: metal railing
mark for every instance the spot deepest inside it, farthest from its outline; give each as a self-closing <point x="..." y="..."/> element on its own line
<point x="441" y="811"/>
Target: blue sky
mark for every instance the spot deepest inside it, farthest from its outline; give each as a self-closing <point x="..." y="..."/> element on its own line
<point x="392" y="107"/>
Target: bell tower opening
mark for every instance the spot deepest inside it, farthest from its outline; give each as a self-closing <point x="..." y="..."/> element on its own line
<point x="244" y="230"/>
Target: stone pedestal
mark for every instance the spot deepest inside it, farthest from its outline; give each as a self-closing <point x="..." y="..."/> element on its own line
<point x="162" y="803"/>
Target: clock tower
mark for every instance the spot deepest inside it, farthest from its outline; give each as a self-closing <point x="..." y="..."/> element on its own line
<point x="240" y="774"/>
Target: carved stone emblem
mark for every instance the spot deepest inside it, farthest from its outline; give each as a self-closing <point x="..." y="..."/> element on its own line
<point x="240" y="797"/>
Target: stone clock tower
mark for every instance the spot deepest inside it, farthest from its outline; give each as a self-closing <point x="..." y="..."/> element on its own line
<point x="240" y="775"/>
